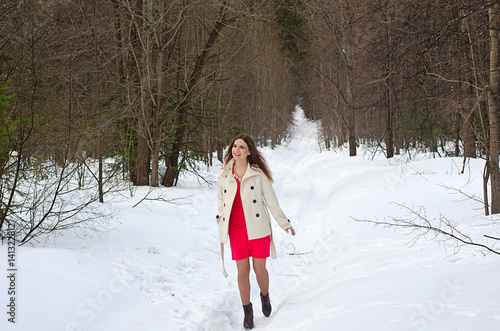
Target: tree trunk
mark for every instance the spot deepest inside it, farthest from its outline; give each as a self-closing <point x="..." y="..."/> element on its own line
<point x="158" y="134"/>
<point x="351" y="114"/>
<point x="141" y="173"/>
<point x="389" y="133"/>
<point x="494" y="27"/>
<point x="142" y="166"/>
<point x="348" y="44"/>
<point x="465" y="92"/>
<point x="100" y="179"/>
<point x="118" y="39"/>
<point x="458" y="123"/>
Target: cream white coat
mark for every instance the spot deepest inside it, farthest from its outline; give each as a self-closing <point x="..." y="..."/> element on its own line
<point x="256" y="192"/>
<point x="257" y="196"/>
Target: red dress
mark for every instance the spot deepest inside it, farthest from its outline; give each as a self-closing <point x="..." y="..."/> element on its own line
<point x="241" y="247"/>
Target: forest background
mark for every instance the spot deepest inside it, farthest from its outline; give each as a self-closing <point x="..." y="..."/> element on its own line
<point x="95" y="93"/>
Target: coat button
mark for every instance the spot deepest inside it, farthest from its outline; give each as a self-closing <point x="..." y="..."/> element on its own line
<point x="257" y="215"/>
<point x="217" y="216"/>
<point x="255" y="201"/>
<point x="225" y="191"/>
<point x="251" y="187"/>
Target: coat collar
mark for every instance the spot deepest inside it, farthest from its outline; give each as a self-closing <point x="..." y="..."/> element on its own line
<point x="227" y="171"/>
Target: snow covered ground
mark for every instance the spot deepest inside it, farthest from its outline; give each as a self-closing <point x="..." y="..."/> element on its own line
<point x="157" y="267"/>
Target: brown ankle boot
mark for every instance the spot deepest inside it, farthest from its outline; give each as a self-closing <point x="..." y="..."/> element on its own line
<point x="248" y="321"/>
<point x="266" y="304"/>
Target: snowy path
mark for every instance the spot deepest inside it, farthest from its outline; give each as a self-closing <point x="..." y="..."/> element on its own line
<point x="159" y="268"/>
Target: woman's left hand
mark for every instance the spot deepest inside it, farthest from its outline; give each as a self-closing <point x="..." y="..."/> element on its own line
<point x="293" y="231"/>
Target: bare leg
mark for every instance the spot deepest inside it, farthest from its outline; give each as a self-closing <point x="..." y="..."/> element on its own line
<point x="244" y="280"/>
<point x="259" y="266"/>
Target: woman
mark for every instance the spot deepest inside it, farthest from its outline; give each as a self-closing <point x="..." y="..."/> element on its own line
<point x="245" y="192"/>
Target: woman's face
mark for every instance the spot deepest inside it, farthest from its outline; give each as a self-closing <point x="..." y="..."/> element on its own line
<point x="240" y="150"/>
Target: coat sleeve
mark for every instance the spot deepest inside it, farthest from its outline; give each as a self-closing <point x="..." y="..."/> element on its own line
<point x="219" y="215"/>
<point x="272" y="203"/>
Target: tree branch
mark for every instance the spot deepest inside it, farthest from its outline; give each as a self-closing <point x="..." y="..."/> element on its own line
<point x="420" y="225"/>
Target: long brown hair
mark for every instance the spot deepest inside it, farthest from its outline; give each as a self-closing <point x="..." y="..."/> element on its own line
<point x="255" y="158"/>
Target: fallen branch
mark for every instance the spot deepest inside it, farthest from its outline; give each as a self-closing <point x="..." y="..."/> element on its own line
<point x="419" y="224"/>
